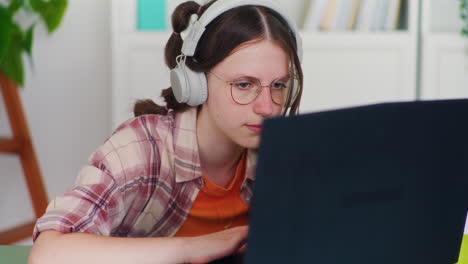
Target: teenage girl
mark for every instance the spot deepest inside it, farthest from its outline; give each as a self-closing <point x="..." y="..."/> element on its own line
<point x="173" y="184"/>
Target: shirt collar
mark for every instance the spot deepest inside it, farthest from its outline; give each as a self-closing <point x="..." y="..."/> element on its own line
<point x="186" y="157"/>
<point x="251" y="164"/>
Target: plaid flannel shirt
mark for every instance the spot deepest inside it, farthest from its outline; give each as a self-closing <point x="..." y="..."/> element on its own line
<point x="140" y="183"/>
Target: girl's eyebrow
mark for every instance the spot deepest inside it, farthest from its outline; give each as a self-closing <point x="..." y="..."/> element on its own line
<point x="239" y="77"/>
<point x="287" y="76"/>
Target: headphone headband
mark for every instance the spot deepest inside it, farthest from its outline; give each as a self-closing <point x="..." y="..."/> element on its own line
<point x="220" y="6"/>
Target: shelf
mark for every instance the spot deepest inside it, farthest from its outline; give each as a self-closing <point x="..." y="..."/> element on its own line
<point x="357" y="35"/>
<point x="146" y="38"/>
<point x="358" y="39"/>
<point x="453" y="36"/>
<point x="9" y="145"/>
<point x="18" y="233"/>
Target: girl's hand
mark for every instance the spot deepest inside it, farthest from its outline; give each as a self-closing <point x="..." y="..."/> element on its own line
<point x="206" y="248"/>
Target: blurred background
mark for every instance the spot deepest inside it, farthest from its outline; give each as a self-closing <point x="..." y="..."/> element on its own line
<point x="106" y="54"/>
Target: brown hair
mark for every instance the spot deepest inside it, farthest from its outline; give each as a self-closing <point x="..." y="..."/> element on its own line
<point x="226" y="32"/>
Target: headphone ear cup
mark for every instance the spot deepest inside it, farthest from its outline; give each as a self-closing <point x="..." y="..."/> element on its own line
<point x="198" y="88"/>
<point x="188" y="86"/>
<point x="179" y="84"/>
<point x="198" y="91"/>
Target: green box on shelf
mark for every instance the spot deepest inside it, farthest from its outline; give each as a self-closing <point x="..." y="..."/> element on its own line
<point x="151" y="15"/>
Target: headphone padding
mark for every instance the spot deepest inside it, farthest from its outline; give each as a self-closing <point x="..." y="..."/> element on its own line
<point x="179" y="85"/>
<point x="198" y="87"/>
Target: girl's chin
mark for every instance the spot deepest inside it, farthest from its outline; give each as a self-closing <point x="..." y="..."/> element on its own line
<point x="252" y="142"/>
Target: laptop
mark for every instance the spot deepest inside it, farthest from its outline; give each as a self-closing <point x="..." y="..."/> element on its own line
<point x="384" y="183"/>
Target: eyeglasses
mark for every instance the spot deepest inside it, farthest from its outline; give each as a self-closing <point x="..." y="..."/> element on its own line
<point x="246" y="89"/>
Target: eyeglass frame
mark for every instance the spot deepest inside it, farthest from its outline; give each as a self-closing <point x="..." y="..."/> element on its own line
<point x="260" y="87"/>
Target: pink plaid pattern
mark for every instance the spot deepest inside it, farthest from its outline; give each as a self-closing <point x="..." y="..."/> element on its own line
<point x="140" y="183"/>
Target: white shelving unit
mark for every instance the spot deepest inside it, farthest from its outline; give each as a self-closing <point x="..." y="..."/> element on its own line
<point x="445" y="52"/>
<point x="352" y="68"/>
<point x="348" y="69"/>
<point x="340" y="68"/>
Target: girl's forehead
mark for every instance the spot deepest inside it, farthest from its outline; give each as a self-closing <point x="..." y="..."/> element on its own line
<point x="257" y="47"/>
<point x="257" y="59"/>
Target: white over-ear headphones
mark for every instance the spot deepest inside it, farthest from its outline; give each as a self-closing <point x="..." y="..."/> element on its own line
<point x="191" y="87"/>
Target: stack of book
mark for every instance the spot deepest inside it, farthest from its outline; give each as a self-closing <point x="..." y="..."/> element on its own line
<point x="353" y="15"/>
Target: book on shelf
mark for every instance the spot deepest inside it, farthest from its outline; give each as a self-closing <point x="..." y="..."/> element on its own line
<point x="342" y="15"/>
<point x="386" y="15"/>
<point x="329" y="15"/>
<point x="393" y="15"/>
<point x="353" y="16"/>
<point x="379" y="15"/>
<point x="315" y="15"/>
<point x="364" y="18"/>
<point x="348" y="15"/>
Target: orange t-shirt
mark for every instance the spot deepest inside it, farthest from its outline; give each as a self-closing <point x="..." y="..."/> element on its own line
<point x="216" y="208"/>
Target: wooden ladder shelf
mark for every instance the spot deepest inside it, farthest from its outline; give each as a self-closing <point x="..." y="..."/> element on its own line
<point x="21" y="145"/>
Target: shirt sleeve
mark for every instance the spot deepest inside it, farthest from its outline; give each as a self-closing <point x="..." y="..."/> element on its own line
<point x="102" y="194"/>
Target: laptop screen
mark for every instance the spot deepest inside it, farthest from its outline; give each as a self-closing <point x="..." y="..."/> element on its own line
<point x="385" y="183"/>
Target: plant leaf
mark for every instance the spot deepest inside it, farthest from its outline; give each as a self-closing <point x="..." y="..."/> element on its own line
<point x="15" y="5"/>
<point x="12" y="63"/>
<point x="36" y="5"/>
<point x="52" y="13"/>
<point x="28" y="40"/>
<point x="5" y="31"/>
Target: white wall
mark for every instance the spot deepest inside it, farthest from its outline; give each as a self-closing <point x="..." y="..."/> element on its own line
<point x="67" y="103"/>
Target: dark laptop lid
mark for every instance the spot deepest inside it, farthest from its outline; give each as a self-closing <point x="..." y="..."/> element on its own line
<point x="385" y="183"/>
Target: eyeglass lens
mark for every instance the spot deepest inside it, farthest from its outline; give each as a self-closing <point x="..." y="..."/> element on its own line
<point x="245" y="90"/>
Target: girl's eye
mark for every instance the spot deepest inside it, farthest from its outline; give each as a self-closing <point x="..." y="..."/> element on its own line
<point x="279" y="85"/>
<point x="243" y="85"/>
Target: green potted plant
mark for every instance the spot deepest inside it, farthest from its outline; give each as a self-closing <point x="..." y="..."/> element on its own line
<point x="16" y="40"/>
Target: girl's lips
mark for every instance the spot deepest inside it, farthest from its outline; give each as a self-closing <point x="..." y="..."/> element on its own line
<point x="255" y="128"/>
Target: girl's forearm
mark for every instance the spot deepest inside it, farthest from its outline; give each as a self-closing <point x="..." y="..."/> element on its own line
<point x="54" y="247"/>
